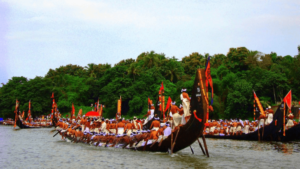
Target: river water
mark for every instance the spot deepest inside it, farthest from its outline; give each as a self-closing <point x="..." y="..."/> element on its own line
<point x="37" y="148"/>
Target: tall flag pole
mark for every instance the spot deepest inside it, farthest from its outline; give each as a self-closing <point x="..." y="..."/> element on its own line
<point x="79" y="113"/>
<point x="168" y="106"/>
<point x="16" y="113"/>
<point x="73" y="112"/>
<point x="52" y="111"/>
<point x="162" y="97"/>
<point x="149" y="103"/>
<point x="284" y="119"/>
<point x="208" y="80"/>
<point x="254" y="109"/>
<point x="119" y="108"/>
<point x="288" y="101"/>
<point x="100" y="110"/>
<point x="258" y="104"/>
<point x="98" y="104"/>
<point x="29" y="111"/>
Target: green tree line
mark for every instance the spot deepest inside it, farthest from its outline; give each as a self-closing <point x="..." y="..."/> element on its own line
<point x="235" y="75"/>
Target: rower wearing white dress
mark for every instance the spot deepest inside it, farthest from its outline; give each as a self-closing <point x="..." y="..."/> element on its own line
<point x="270" y="116"/>
<point x="290" y="122"/>
<point x="175" y="114"/>
<point x="184" y="97"/>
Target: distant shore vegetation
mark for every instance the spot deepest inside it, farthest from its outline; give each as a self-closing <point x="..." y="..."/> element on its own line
<point x="235" y="75"/>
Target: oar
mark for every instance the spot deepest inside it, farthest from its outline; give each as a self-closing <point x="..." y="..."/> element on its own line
<point x="175" y="141"/>
<point x="56" y="134"/>
<point x="201" y="147"/>
<point x="145" y="145"/>
<point x="204" y="142"/>
<point x="153" y="143"/>
<point x="192" y="149"/>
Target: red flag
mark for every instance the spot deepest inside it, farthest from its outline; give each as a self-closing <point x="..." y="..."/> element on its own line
<point x="161" y="87"/>
<point x="288" y="99"/>
<point x="168" y="105"/>
<point x="73" y="111"/>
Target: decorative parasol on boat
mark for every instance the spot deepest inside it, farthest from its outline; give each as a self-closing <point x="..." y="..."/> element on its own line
<point x="92" y="114"/>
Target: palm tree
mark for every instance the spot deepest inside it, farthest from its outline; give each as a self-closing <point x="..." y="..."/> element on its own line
<point x="151" y="60"/>
<point x="133" y="70"/>
<point x="252" y="58"/>
<point x="91" y="70"/>
<point x="173" y="70"/>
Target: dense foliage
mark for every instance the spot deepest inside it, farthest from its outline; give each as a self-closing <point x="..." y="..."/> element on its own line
<point x="235" y="75"/>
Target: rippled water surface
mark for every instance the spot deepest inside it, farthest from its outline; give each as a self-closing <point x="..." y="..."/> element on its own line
<point x="36" y="148"/>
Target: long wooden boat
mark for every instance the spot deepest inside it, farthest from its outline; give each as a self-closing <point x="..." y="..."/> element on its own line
<point x="271" y="132"/>
<point x="21" y="125"/>
<point x="186" y="134"/>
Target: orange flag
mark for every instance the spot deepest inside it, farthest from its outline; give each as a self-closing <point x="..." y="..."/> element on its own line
<point x="258" y="104"/>
<point x="16" y="113"/>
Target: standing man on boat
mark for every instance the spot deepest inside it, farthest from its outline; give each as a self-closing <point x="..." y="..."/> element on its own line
<point x="175" y="114"/>
<point x="184" y="97"/>
<point x="261" y="119"/>
<point x="270" y="116"/>
<point x="290" y="122"/>
<point x="136" y="124"/>
<point x="150" y="114"/>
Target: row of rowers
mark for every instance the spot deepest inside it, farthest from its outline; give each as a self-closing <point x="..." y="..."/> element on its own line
<point x="239" y="127"/>
<point x="107" y="137"/>
<point x="93" y="125"/>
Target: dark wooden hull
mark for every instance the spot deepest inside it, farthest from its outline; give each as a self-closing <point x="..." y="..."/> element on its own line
<point x="23" y="126"/>
<point x="193" y="129"/>
<point x="272" y="132"/>
<point x="291" y="134"/>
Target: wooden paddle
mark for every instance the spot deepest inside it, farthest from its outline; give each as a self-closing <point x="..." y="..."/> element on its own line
<point x="174" y="141"/>
<point x="56" y="134"/>
<point x="201" y="147"/>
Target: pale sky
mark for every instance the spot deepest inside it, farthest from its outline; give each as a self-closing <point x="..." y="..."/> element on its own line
<point x="36" y="35"/>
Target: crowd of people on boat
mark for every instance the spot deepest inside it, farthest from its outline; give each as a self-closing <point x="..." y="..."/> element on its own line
<point x="234" y="127"/>
<point x="7" y="121"/>
<point x="112" y="132"/>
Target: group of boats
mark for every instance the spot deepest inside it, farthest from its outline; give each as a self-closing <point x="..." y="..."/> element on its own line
<point x="164" y="138"/>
